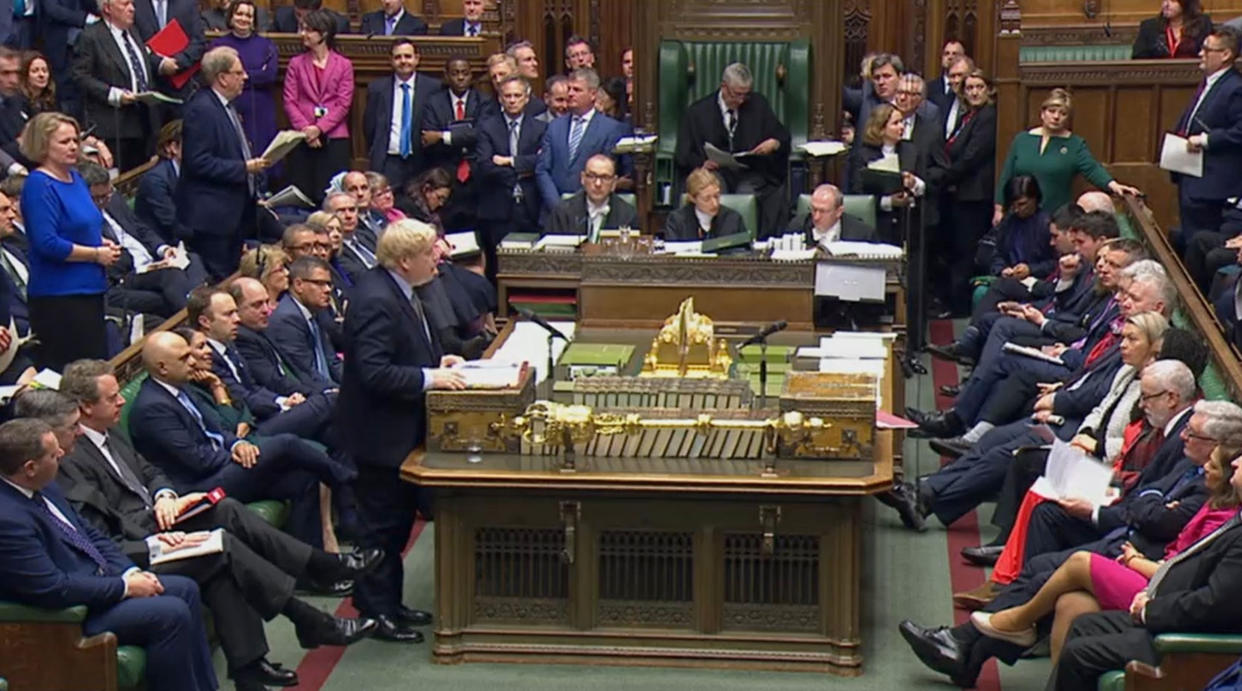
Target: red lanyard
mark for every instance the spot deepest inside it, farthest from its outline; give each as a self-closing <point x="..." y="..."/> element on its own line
<point x="1173" y="39"/>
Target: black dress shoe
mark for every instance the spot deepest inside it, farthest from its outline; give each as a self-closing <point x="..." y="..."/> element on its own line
<point x="264" y="673"/>
<point x="936" y="424"/>
<point x="336" y="631"/>
<point x="389" y="629"/>
<point x="953" y="447"/>
<point x="983" y="555"/>
<point x="950" y="390"/>
<point x="414" y="617"/>
<point x="343" y="588"/>
<point x="359" y="561"/>
<point x="907" y="506"/>
<point x="940" y="650"/>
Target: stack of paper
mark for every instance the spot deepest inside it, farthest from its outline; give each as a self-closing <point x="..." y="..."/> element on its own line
<point x="635" y="144"/>
<point x="463" y="244"/>
<point x="559" y="243"/>
<point x="284" y="142"/>
<point x="490" y="374"/>
<point x="684" y="248"/>
<point x="826" y="147"/>
<point x="529" y="343"/>
<point x="864" y="250"/>
<point x="1070" y="473"/>
<point x="290" y="196"/>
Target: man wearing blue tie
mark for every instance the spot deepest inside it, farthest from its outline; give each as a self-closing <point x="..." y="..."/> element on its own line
<point x="392" y="20"/>
<point x="50" y="558"/>
<point x="300" y="325"/>
<point x="393" y="116"/>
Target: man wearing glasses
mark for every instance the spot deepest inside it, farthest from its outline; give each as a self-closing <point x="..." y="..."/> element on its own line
<point x="596" y="207"/>
<point x="737" y="120"/>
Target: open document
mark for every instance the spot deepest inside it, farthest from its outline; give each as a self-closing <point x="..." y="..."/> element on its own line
<point x="196" y="545"/>
<point x="723" y="158"/>
<point x="284" y="142"/>
<point x="1070" y="473"/>
<point x="1176" y="159"/>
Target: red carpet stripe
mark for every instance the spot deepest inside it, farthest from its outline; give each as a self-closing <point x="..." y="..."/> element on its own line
<point x="964" y="532"/>
<point x="317" y="665"/>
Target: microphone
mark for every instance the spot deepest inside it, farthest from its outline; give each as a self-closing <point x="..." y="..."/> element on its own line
<point x="764" y="333"/>
<point x="532" y="317"/>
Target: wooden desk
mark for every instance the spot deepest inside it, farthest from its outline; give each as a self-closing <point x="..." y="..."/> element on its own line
<point x="651" y="561"/>
<point x="641" y="290"/>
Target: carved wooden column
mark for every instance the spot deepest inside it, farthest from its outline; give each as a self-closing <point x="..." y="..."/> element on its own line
<point x="1010" y="111"/>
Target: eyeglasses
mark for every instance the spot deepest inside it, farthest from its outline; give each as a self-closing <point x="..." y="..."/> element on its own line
<point x="1214" y="50"/>
<point x="593" y="177"/>
<point x="310" y="246"/>
<point x="1200" y="437"/>
<point x="1149" y="396"/>
<point x="321" y="282"/>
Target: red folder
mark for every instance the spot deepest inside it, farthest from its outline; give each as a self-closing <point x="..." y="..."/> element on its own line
<point x="167" y="43"/>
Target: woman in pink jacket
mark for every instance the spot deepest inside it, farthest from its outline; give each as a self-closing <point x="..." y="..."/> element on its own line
<point x="318" y="93"/>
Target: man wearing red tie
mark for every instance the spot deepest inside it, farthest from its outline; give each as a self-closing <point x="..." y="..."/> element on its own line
<point x="449" y="137"/>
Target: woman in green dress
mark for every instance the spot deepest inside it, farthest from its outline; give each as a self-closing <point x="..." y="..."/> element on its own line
<point x="1054" y="155"/>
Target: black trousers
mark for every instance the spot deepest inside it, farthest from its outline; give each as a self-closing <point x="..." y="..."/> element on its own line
<point x="1199" y="214"/>
<point x="492" y="231"/>
<point x="962" y="224"/>
<point x="398" y="171"/>
<point x="70" y="327"/>
<point x="1024" y="470"/>
<point x="311" y="169"/>
<point x="249" y="582"/>
<point x="1205" y="254"/>
<point x="388" y="507"/>
<point x="1001" y="290"/>
<point x="1099" y="642"/>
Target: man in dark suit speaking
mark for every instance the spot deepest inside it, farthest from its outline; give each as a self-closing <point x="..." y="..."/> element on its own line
<point x="736" y="119"/>
<point x="392" y="357"/>
<point x="50" y="557"/>
<point x="1212" y="123"/>
<point x="216" y="191"/>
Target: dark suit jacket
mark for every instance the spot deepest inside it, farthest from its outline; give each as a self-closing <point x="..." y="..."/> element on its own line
<point x="213" y="196"/>
<point x="683" y="225"/>
<point x="1221" y="117"/>
<point x="120" y="212"/>
<point x="99" y="65"/>
<point x="853" y="229"/>
<point x="16" y="304"/>
<point x="971" y="172"/>
<point x="439" y="116"/>
<point x="187" y="15"/>
<point x="756" y="122"/>
<point x="408" y="25"/>
<point x="286" y="21"/>
<point x="570" y="215"/>
<point x="496" y="191"/>
<point x="351" y="264"/>
<point x="264" y="363"/>
<point x="555" y="172"/>
<point x="377" y="119"/>
<point x="292" y="336"/>
<point x="167" y="434"/>
<point x="1199" y="592"/>
<point x="102" y="497"/>
<point x="42" y="568"/>
<point x="456" y="27"/>
<point x="155" y="203"/>
<point x="260" y="399"/>
<point x="1151" y="43"/>
<point x="382" y="391"/>
<point x="60" y="22"/>
<point x="914" y="158"/>
<point x="936" y="94"/>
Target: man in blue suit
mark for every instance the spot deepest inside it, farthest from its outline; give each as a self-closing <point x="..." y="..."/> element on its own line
<point x="507" y="151"/>
<point x="300" y="326"/>
<point x="155" y="202"/>
<point x="1213" y="124"/>
<point x="569" y="141"/>
<point x="469" y="25"/>
<point x="198" y="454"/>
<point x="50" y="558"/>
<point x="392" y="122"/>
<point x="392" y="358"/>
<point x="268" y="367"/>
<point x="216" y="191"/>
<point x="392" y="20"/>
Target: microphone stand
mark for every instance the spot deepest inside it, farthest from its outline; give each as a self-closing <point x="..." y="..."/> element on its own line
<point x="551" y="379"/>
<point x="763" y="373"/>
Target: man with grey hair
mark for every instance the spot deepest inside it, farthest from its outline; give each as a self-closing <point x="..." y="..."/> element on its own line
<point x="523" y="53"/>
<point x="827" y="221"/>
<point x="110" y="87"/>
<point x="1095" y="200"/>
<point x="355" y="257"/>
<point x="571" y="140"/>
<point x="218" y="185"/>
<point x="392" y="358"/>
<point x="737" y="119"/>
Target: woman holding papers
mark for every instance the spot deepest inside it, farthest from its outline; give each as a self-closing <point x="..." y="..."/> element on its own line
<point x="1054" y="155"/>
<point x="702" y="216"/>
<point x="884" y="138"/>
<point x="256" y="106"/>
<point x="1091" y="582"/>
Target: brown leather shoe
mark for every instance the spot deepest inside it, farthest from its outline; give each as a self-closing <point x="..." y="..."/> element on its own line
<point x="972" y="600"/>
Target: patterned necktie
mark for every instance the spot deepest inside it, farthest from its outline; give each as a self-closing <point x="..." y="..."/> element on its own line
<point x="365" y="254"/>
<point x="390" y="25"/>
<point x="575" y="136"/>
<point x="217" y="440"/>
<point x="135" y="62"/>
<point x="463" y="166"/>
<point x="128" y="477"/>
<point x="75" y="537"/>
<point x="513" y="150"/>
<point x="407" y="104"/>
<point x="321" y="361"/>
<point x="732" y="126"/>
<point x="472" y="30"/>
<point x="421" y="315"/>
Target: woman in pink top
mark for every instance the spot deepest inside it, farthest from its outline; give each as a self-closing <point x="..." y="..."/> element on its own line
<point x="382" y="197"/>
<point x="1091" y="582"/>
<point x="318" y="93"/>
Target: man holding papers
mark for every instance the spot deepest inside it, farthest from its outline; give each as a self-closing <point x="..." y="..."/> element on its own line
<point x="216" y="191"/>
<point x="113" y="66"/>
<point x="1212" y="124"/>
<point x="172" y="29"/>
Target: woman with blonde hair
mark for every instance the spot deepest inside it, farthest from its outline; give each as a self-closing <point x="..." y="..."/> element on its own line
<point x="270" y="265"/>
<point x="884" y="136"/>
<point x="1054" y="155"/>
<point x="702" y="216"/>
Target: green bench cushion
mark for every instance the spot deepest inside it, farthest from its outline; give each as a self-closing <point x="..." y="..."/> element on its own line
<point x="860" y="205"/>
<point x="14" y="612"/>
<point x="1216" y="643"/>
<point x="1112" y="681"/>
<point x="131" y="667"/>
<point x="273" y="512"/>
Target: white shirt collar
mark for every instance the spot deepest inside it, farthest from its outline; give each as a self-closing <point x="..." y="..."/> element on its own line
<point x="831" y="235"/>
<point x="586" y="117"/>
<point x="306" y="313"/>
<point x="705" y="221"/>
<point x="223" y="101"/>
<point x="396" y="17"/>
<point x="97" y="438"/>
<point x="176" y="392"/>
<point x="1211" y="78"/>
<point x="1168" y="426"/>
<point x="28" y="493"/>
<point x="398" y="82"/>
<point x="217" y="346"/>
<point x="594" y="209"/>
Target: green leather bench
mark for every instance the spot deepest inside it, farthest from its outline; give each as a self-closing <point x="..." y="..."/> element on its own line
<point x="860" y="205"/>
<point x="1092" y="53"/>
<point x="49" y="651"/>
<point x="1187" y="660"/>
<point x="690" y="70"/>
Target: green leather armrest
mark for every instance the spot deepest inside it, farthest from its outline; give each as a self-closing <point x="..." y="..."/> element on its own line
<point x="131" y="667"/>
<point x="271" y="511"/>
<point x="1112" y="681"/>
<point x="4" y="685"/>
<point x="13" y="612"/>
<point x="1222" y="643"/>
